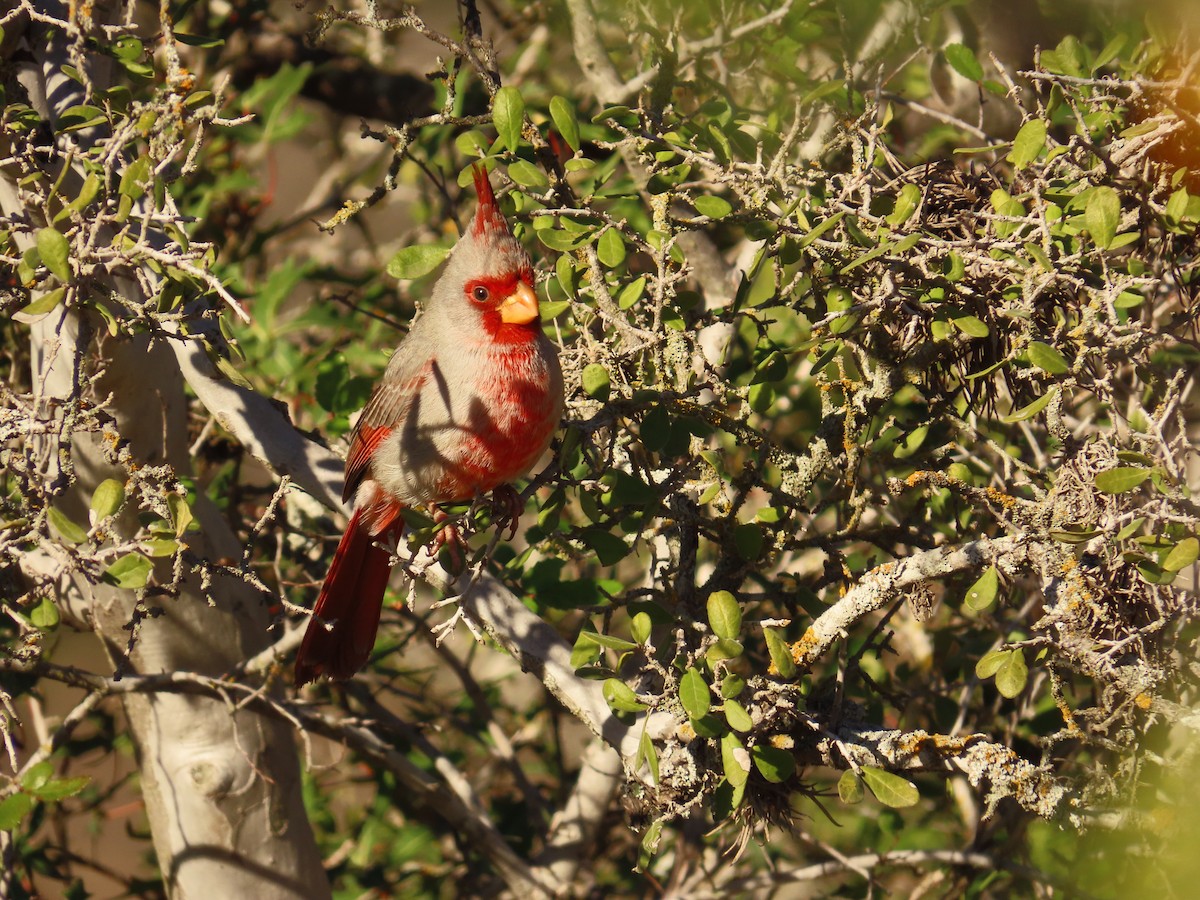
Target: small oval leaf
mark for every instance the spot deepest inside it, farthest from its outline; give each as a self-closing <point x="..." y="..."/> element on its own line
<point x="563" y="116"/>
<point x="1182" y="555"/>
<point x="693" y="694"/>
<point x="1102" y="215"/>
<point x="737" y="717"/>
<point x="734" y="759"/>
<point x="781" y="654"/>
<point x="889" y="789"/>
<point x="610" y="248"/>
<point x="130" y="572"/>
<point x="508" y="114"/>
<point x="1047" y="358"/>
<point x="1012" y="675"/>
<point x="962" y="60"/>
<point x="713" y="207"/>
<point x="413" y="262"/>
<point x="67" y="530"/>
<point x="724" y="615"/>
<point x="982" y="594"/>
<point x="1121" y="479"/>
<point x="774" y="764"/>
<point x="595" y="381"/>
<point x="620" y="697"/>
<point x="54" y="250"/>
<point x="107" y="498"/>
<point x="1028" y="144"/>
<point x="850" y="788"/>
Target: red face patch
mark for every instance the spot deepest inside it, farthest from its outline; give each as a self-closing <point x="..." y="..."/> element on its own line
<point x="487" y="293"/>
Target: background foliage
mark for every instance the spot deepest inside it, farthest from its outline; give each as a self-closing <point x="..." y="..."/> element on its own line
<point x="871" y="517"/>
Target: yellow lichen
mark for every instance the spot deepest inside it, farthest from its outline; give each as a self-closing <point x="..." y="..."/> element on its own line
<point x="804" y="646"/>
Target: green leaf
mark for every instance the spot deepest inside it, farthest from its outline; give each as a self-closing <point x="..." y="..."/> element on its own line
<point x="640" y="626"/>
<point x="990" y="663"/>
<point x="724" y="615"/>
<point x="982" y="594"/>
<point x="595" y="381"/>
<point x="1182" y="555"/>
<point x="45" y="615"/>
<point x="33" y="311"/>
<point x="709" y="726"/>
<point x="1012" y="675"/>
<point x="54" y="789"/>
<point x="13" y="809"/>
<point x="563" y="116"/>
<point x="649" y="845"/>
<point x="694" y="694"/>
<point x="609" y="548"/>
<point x="67" y="530"/>
<point x="737" y="716"/>
<point x="647" y="752"/>
<point x="748" y="539"/>
<point x="1128" y="531"/>
<point x="963" y="61"/>
<point x="585" y="652"/>
<point x="130" y="572"/>
<point x="134" y="177"/>
<point x="713" y="207"/>
<point x="735" y="761"/>
<point x="611" y="248"/>
<point x="1047" y="358"/>
<point x="773" y="763"/>
<point x="821" y="229"/>
<point x="1032" y="409"/>
<point x="631" y="293"/>
<point x="1028" y="144"/>
<point x="1177" y="206"/>
<point x="1121" y="479"/>
<point x="620" y="697"/>
<point x="612" y="642"/>
<point x="724" y="649"/>
<point x="107" y="498"/>
<point x="413" y="262"/>
<point x="526" y="174"/>
<point x="158" y="547"/>
<point x="732" y="686"/>
<point x="906" y="204"/>
<point x="890" y="789"/>
<point x="972" y="326"/>
<point x="181" y="513"/>
<point x="1102" y="215"/>
<point x="508" y="113"/>
<point x="850" y="788"/>
<point x="54" y="249"/>
<point x="781" y="654"/>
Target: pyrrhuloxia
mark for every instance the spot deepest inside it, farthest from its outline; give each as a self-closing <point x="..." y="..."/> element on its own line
<point x="469" y="401"/>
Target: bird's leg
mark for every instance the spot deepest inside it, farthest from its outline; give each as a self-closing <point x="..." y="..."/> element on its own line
<point x="450" y="537"/>
<point x="507" y="508"/>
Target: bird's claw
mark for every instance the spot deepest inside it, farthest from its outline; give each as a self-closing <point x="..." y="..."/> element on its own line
<point x="449" y="537"/>
<point x="507" y="508"/>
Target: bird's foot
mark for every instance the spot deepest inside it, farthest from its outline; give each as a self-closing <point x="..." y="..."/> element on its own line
<point x="450" y="537"/>
<point x="507" y="507"/>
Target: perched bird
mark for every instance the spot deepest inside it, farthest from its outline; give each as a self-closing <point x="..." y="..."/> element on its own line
<point x="469" y="401"/>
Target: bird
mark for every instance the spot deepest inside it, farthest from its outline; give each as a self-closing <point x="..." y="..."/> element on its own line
<point x="469" y="401"/>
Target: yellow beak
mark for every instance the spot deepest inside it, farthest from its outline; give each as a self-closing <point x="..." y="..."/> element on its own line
<point x="520" y="307"/>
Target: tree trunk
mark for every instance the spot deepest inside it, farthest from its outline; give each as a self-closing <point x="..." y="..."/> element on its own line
<point x="221" y="786"/>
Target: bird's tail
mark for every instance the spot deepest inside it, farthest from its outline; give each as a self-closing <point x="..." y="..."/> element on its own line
<point x="345" y="618"/>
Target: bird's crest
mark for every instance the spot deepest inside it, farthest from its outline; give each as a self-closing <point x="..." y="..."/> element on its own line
<point x="488" y="218"/>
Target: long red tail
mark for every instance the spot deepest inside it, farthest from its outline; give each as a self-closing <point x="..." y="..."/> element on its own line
<point x="350" y="602"/>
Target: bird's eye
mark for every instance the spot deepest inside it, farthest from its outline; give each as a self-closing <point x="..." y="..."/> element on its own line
<point x="481" y="294"/>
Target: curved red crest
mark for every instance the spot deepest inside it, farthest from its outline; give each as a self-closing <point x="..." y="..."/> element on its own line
<point x="488" y="218"/>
